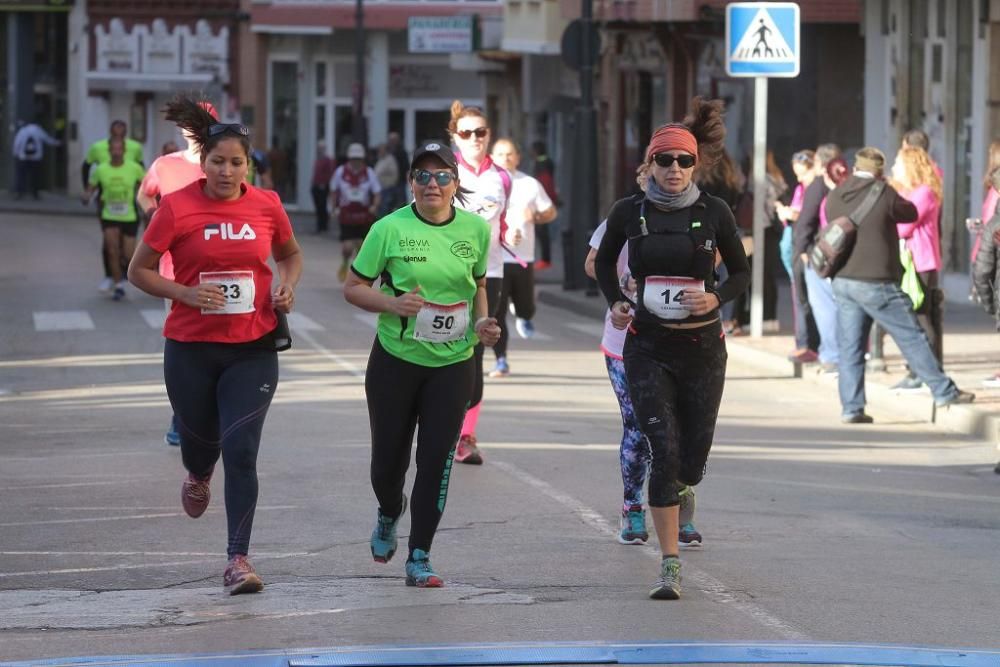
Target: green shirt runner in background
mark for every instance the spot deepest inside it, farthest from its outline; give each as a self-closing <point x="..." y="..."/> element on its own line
<point x="118" y="186"/>
<point x="99" y="152"/>
<point x="444" y="260"/>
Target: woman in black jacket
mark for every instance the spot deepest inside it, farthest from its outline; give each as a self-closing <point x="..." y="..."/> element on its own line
<point x="675" y="353"/>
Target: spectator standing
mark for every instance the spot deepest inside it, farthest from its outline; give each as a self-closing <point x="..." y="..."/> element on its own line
<point x="29" y="149"/>
<point x="867" y="290"/>
<point x="722" y="179"/>
<point x="806" y="335"/>
<point x="322" y="173"/>
<point x="545" y="173"/>
<point x="990" y="200"/>
<point x="915" y="178"/>
<point x="394" y="144"/>
<point x="804" y="235"/>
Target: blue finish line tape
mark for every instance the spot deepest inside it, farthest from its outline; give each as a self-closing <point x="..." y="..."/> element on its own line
<point x="560" y="653"/>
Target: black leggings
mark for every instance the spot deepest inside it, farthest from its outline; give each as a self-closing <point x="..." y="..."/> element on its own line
<point x="401" y="395"/>
<point x="220" y="394"/>
<point x="493" y="288"/>
<point x="519" y="289"/>
<point x="675" y="379"/>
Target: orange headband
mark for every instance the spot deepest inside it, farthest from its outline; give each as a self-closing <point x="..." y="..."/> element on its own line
<point x="672" y="138"/>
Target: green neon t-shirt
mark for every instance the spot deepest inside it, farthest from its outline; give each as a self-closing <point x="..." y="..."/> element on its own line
<point x="118" y="186"/>
<point x="404" y="250"/>
<point x="99" y="152"/>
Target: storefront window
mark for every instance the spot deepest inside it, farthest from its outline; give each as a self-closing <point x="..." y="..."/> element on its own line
<point x="432" y="125"/>
<point x="284" y="128"/>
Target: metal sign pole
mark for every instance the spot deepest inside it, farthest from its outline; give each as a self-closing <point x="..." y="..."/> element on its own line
<point x="759" y="217"/>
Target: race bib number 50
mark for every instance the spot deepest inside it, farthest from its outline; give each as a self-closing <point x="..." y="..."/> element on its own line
<point x="442" y="323"/>
<point x="237" y="287"/>
<point x="662" y="295"/>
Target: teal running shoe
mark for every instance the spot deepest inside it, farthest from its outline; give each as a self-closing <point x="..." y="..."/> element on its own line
<point x="668" y="586"/>
<point x="633" y="526"/>
<point x="384" y="536"/>
<point x="688" y="536"/>
<point x="419" y="572"/>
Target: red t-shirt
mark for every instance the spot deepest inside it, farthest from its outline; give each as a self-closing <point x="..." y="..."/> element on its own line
<point x="207" y="235"/>
<point x="169" y="173"/>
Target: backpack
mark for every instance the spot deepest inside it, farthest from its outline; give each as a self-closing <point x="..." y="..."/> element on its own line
<point x="837" y="239"/>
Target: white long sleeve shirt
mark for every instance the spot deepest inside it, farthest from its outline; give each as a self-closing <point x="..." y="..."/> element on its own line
<point x="29" y="142"/>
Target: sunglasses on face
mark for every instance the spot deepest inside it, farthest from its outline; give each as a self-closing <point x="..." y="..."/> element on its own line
<point x="480" y="132"/>
<point x="442" y="178"/>
<point x="222" y="128"/>
<point x="665" y="160"/>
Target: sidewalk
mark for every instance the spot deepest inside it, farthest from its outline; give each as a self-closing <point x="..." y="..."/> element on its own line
<point x="971" y="352"/>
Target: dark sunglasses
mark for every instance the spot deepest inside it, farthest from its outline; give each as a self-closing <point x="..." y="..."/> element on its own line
<point x="666" y="160"/>
<point x="442" y="178"/>
<point x="480" y="132"/>
<point x="222" y="128"/>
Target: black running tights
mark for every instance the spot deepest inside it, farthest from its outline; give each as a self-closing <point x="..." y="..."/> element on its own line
<point x="220" y="394"/>
<point x="675" y="379"/>
<point x="402" y="395"/>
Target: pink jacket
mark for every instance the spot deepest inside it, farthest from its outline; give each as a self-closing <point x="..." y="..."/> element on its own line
<point x="922" y="237"/>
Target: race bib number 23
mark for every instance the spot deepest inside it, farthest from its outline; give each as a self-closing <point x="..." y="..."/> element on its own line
<point x="237" y="287"/>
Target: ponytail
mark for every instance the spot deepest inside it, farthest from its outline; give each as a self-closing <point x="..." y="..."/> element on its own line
<point x="705" y="122"/>
<point x="459" y="110"/>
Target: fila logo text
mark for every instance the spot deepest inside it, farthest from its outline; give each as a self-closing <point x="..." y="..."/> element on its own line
<point x="227" y="232"/>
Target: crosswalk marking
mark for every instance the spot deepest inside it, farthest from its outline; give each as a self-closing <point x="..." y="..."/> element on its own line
<point x="155" y="317"/>
<point x="371" y="319"/>
<point x="301" y="322"/>
<point x="62" y="320"/>
<point x="590" y="328"/>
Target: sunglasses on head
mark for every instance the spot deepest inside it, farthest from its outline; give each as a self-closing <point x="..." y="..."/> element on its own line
<point x="222" y="128"/>
<point x="667" y="160"/>
<point x="480" y="132"/>
<point x="801" y="157"/>
<point x="442" y="178"/>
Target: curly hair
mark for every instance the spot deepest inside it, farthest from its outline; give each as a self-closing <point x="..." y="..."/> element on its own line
<point x="191" y="113"/>
<point x="459" y="111"/>
<point x="917" y="169"/>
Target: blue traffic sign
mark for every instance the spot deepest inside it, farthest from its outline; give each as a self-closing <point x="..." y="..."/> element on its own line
<point x="762" y="39"/>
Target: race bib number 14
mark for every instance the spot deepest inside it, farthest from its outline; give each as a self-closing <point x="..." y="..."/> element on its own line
<point x="238" y="288"/>
<point x="661" y="295"/>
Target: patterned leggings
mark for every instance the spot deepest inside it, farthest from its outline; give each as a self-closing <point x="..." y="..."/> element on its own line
<point x="634" y="452"/>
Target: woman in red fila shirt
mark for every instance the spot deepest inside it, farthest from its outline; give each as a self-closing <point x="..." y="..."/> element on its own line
<point x="220" y="362"/>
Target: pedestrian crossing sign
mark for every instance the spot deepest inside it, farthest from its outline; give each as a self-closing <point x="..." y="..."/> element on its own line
<point x="762" y="39"/>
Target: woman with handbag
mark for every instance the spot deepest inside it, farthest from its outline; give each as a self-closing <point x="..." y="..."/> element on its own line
<point x="220" y="362"/>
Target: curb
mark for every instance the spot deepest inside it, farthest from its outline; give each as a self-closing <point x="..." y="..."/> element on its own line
<point x="963" y="419"/>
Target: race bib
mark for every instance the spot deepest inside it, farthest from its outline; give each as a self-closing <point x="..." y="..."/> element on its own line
<point x="117" y="208"/>
<point x="440" y="323"/>
<point x="238" y="288"/>
<point x="355" y="194"/>
<point x="661" y="295"/>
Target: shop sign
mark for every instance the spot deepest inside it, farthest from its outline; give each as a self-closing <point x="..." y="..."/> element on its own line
<point x="159" y="49"/>
<point x="442" y="34"/>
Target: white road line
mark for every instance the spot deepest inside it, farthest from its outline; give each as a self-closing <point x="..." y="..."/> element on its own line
<point x="155" y="317"/>
<point x="590" y="328"/>
<point x="371" y="319"/>
<point x="351" y="368"/>
<point x="126" y="517"/>
<point x="300" y="322"/>
<point x="62" y="320"/>
<point x="707" y="583"/>
<point x="140" y="566"/>
<point x="68" y="485"/>
<point x="146" y="554"/>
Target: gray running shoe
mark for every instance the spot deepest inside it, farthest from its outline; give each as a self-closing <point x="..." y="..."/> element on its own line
<point x="668" y="586"/>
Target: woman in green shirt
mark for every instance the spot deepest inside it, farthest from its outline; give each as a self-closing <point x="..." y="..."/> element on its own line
<point x="430" y="258"/>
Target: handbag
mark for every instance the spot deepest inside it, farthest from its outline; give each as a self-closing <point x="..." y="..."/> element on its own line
<point x="910" y="284"/>
<point x="836" y="241"/>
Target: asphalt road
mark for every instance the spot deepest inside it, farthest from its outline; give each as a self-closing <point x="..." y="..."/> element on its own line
<point x="814" y="531"/>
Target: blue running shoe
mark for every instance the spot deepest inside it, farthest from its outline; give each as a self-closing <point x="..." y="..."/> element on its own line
<point x="419" y="572"/>
<point x="172" y="437"/>
<point x="525" y="328"/>
<point x="501" y="370"/>
<point x="384" y="541"/>
<point x="633" y="527"/>
<point x="688" y="536"/>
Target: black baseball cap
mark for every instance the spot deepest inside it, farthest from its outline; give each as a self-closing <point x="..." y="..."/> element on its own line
<point x="437" y="148"/>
